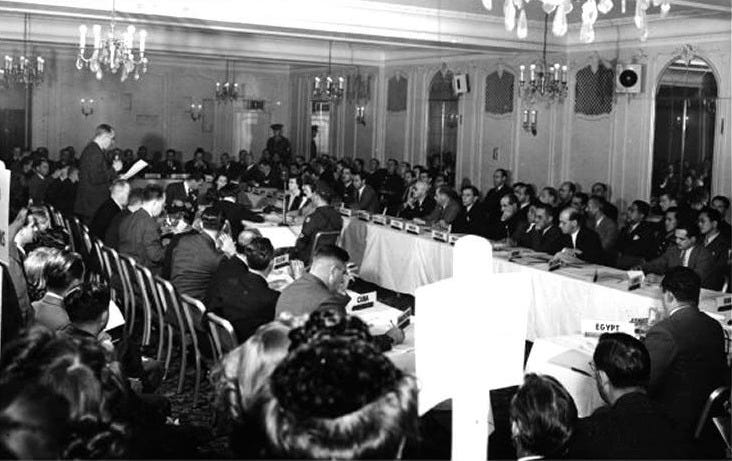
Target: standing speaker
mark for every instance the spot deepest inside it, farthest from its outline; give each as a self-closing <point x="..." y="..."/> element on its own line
<point x="628" y="78"/>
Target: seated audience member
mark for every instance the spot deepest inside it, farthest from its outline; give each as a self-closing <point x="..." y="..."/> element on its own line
<point x="171" y="165"/>
<point x="34" y="421"/>
<point x="565" y="193"/>
<point x="667" y="200"/>
<point x="45" y="234"/>
<point x="579" y="202"/>
<point x="295" y="198"/>
<point x="635" y="242"/>
<point x="324" y="285"/>
<point x="549" y="196"/>
<point x="578" y="242"/>
<point x="666" y="238"/>
<point x="526" y="232"/>
<point x="213" y="194"/>
<point x="547" y="236"/>
<point x="268" y="177"/>
<point x="716" y="243"/>
<point x="600" y="222"/>
<point x="239" y="291"/>
<point x="344" y="188"/>
<point x="198" y="255"/>
<point x="234" y="212"/>
<point x="390" y="188"/>
<point x="119" y="193"/>
<point x="338" y="397"/>
<point x="63" y="271"/>
<point x="688" y="252"/>
<point x="446" y="208"/>
<point x="183" y="196"/>
<point x="525" y="193"/>
<point x="632" y="426"/>
<point x="34" y="265"/>
<point x="61" y="191"/>
<point x="198" y="165"/>
<point x="39" y="181"/>
<point x="419" y="204"/>
<point x="721" y="204"/>
<point x="600" y="190"/>
<point x="509" y="220"/>
<point x="17" y="227"/>
<point x="249" y="169"/>
<point x="471" y="218"/>
<point x="139" y="233"/>
<point x="240" y="383"/>
<point x="228" y="168"/>
<point x="687" y="351"/>
<point x="492" y="200"/>
<point x="325" y="218"/>
<point x="364" y="196"/>
<point x="542" y="416"/>
<point x="134" y="203"/>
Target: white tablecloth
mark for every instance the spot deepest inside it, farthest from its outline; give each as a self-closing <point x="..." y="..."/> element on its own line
<point x="403" y="262"/>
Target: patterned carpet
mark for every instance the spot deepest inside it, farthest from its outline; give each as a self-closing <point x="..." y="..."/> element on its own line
<point x="435" y="426"/>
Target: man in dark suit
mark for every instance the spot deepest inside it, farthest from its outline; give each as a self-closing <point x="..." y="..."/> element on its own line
<point x="548" y="237"/>
<point x="249" y="170"/>
<point x="96" y="173"/>
<point x="509" y="221"/>
<point x="721" y="204"/>
<point x="198" y="164"/>
<point x="636" y="241"/>
<point x="197" y="256"/>
<point x="578" y="242"/>
<point x="364" y="196"/>
<point x="419" y="204"/>
<point x="268" y="177"/>
<point x="631" y="426"/>
<point x="525" y="193"/>
<point x="716" y="243"/>
<point x="688" y="253"/>
<point x="600" y="189"/>
<point x="119" y="193"/>
<point x="139" y="233"/>
<point x="687" y="351"/>
<point x="39" y="181"/>
<point x="446" y="208"/>
<point x="324" y="219"/>
<point x="492" y="200"/>
<point x="183" y="196"/>
<point x="606" y="228"/>
<point x="566" y="193"/>
<point x="239" y="292"/>
<point x="235" y="212"/>
<point x="228" y="168"/>
<point x="171" y="165"/>
<point x="471" y="219"/>
<point x="323" y="286"/>
<point x="134" y="202"/>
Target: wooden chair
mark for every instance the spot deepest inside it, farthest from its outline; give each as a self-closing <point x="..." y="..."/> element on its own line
<point x="323" y="238"/>
<point x="717" y="410"/>
<point x="221" y="335"/>
<point x="152" y="307"/>
<point x="125" y="298"/>
<point x="193" y="314"/>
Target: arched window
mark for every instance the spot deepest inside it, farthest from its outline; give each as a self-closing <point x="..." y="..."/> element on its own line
<point x="443" y="122"/>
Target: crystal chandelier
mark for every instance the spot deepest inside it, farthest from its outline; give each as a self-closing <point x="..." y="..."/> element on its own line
<point x="328" y="87"/>
<point x="113" y="53"/>
<point x="227" y="91"/>
<point x="25" y="71"/>
<point x="547" y="83"/>
<point x="590" y="10"/>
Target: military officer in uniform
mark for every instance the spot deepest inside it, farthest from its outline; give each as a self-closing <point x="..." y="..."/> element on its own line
<point x="325" y="218"/>
<point x="279" y="144"/>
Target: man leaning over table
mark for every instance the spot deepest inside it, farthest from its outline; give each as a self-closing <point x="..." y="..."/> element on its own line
<point x="687" y="351"/>
<point x="325" y="218"/>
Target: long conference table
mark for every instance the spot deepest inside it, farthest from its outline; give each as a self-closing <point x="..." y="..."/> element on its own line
<point x="402" y="262"/>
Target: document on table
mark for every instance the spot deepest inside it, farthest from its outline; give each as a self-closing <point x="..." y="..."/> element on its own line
<point x="116" y="318"/>
<point x="575" y="360"/>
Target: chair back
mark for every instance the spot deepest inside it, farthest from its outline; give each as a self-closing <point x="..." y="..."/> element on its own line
<point x="717" y="405"/>
<point x="128" y="274"/>
<point x="152" y="306"/>
<point x="323" y="238"/>
<point x="221" y="335"/>
<point x="171" y="304"/>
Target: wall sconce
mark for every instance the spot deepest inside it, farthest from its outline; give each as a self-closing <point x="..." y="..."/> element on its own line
<point x="196" y="111"/>
<point x="528" y="121"/>
<point x="361" y="115"/>
<point x="452" y="120"/>
<point x="87" y="107"/>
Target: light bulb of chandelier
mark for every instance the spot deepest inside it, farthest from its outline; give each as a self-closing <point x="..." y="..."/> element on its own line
<point x="665" y="7"/>
<point x="488" y="4"/>
<point x="99" y="74"/>
<point x="559" y="24"/>
<point x="548" y="8"/>
<point x="522" y="30"/>
<point x="509" y="15"/>
<point x="605" y="6"/>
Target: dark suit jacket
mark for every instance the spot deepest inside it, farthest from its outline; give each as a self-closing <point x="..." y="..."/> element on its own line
<point x="307" y="294"/>
<point x="492" y="202"/>
<point x="368" y="201"/>
<point x="525" y="234"/>
<point x="633" y="428"/>
<point x="687" y="363"/>
<point x="719" y="248"/>
<point x="700" y="260"/>
<point x="447" y="214"/>
<point x="470" y="222"/>
<point x="323" y="219"/>
<point x="419" y="210"/>
<point x="177" y="191"/>
<point x="37" y="188"/>
<point x="61" y="194"/>
<point x="241" y="297"/>
<point x="251" y="174"/>
<point x="139" y="237"/>
<point x="235" y="212"/>
<point x="499" y="230"/>
<point x="638" y="243"/>
<point x="95" y="176"/>
<point x="588" y="243"/>
<point x="607" y="230"/>
<point x="195" y="260"/>
<point x="103" y="218"/>
<point x="111" y="237"/>
<point x="272" y="180"/>
<point x="549" y="240"/>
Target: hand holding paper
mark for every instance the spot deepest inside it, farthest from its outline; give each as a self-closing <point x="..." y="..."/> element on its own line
<point x="134" y="169"/>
